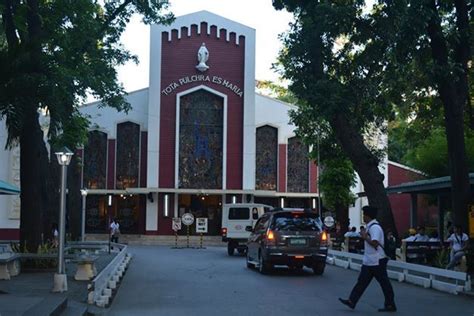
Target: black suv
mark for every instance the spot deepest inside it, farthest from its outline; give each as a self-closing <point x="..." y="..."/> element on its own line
<point x="292" y="237"/>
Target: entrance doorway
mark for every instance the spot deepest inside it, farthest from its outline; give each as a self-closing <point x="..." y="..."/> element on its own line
<point x="202" y="205"/>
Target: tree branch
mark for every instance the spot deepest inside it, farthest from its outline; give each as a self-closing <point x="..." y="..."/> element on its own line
<point x="8" y="11"/>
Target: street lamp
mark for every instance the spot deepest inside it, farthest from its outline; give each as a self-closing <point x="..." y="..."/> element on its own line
<point x="64" y="156"/>
<point x="83" y="222"/>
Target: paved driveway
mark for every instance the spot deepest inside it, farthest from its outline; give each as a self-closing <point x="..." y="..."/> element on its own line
<point x="164" y="281"/>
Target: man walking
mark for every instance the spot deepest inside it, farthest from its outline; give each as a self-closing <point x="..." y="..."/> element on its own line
<point x="374" y="263"/>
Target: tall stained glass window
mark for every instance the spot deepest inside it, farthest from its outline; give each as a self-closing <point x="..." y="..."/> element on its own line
<point x="95" y="160"/>
<point x="128" y="155"/>
<point x="266" y="158"/>
<point x="298" y="166"/>
<point x="200" y="140"/>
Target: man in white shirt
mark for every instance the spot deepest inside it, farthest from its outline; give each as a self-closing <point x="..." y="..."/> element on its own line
<point x="374" y="264"/>
<point x="114" y="231"/>
<point x="459" y="244"/>
<point x="421" y="235"/>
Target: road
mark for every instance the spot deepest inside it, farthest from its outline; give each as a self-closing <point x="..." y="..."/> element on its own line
<point x="164" y="281"/>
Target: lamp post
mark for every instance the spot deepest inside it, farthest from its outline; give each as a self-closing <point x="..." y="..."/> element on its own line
<point x="83" y="215"/>
<point x="318" y="182"/>
<point x="64" y="156"/>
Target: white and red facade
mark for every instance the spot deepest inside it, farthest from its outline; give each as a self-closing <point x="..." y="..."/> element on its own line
<point x="174" y="78"/>
<point x="162" y="185"/>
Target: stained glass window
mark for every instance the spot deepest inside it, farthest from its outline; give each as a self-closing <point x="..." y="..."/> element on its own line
<point x="298" y="166"/>
<point x="128" y="155"/>
<point x="266" y="158"/>
<point x="200" y="140"/>
<point x="95" y="160"/>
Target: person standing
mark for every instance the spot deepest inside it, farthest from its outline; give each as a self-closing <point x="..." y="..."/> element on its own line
<point x="55" y="232"/>
<point x="114" y="230"/>
<point x="459" y="244"/>
<point x="374" y="264"/>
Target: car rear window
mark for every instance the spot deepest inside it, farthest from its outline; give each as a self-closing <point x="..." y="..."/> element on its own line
<point x="296" y="221"/>
<point x="239" y="213"/>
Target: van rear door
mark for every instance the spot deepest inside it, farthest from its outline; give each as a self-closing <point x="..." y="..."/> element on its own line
<point x="238" y="218"/>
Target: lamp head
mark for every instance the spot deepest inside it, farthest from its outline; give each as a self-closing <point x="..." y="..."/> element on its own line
<point x="84" y="192"/>
<point x="64" y="156"/>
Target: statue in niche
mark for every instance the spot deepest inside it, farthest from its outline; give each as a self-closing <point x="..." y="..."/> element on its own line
<point x="203" y="56"/>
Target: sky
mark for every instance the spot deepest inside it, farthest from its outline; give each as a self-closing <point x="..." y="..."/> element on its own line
<point x="258" y="14"/>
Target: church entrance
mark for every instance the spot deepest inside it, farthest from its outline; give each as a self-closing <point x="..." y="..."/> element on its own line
<point x="202" y="205"/>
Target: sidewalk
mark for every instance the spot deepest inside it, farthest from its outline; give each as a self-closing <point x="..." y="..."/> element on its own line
<point x="30" y="292"/>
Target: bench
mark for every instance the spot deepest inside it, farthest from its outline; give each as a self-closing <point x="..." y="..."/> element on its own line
<point x="86" y="269"/>
<point x="9" y="265"/>
<point x="421" y="251"/>
<point x="354" y="244"/>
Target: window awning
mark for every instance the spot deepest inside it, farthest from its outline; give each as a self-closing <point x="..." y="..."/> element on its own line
<point x="430" y="186"/>
<point x="8" y="189"/>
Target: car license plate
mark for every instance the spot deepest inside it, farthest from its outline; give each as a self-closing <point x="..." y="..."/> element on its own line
<point x="298" y="241"/>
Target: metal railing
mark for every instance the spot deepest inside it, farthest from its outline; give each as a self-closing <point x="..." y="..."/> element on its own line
<point x="100" y="282"/>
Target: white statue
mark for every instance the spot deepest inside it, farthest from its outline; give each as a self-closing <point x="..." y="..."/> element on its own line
<point x="203" y="56"/>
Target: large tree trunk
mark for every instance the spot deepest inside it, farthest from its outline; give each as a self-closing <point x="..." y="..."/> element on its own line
<point x="32" y="165"/>
<point x="367" y="166"/>
<point x="342" y="217"/>
<point x="74" y="203"/>
<point x="454" y="93"/>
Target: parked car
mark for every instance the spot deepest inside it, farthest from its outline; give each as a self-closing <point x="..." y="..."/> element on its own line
<point x="236" y="218"/>
<point x="292" y="237"/>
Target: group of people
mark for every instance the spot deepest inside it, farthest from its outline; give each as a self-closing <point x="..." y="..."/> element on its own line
<point x="458" y="240"/>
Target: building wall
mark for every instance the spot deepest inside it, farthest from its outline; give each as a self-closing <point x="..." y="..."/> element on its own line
<point x="427" y="214"/>
<point x="9" y="205"/>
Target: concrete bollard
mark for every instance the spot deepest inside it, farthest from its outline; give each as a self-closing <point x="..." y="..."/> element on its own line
<point x="112" y="284"/>
<point x="90" y="297"/>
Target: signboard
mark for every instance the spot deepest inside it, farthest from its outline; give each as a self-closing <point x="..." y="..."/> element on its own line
<point x="201" y="225"/>
<point x="329" y="221"/>
<point x="176" y="224"/>
<point x="187" y="219"/>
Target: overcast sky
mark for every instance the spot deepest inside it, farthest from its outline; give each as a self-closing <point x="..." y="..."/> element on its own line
<point x="258" y="14"/>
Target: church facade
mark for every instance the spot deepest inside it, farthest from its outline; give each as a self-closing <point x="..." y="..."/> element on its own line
<point x="197" y="138"/>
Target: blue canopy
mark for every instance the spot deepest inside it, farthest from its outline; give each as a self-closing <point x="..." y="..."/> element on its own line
<point x="7" y="188"/>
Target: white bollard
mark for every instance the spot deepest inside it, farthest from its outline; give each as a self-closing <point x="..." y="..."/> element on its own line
<point x="112" y="284"/>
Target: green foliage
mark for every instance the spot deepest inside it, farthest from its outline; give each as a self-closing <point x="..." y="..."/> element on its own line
<point x="441" y="259"/>
<point x="431" y="155"/>
<point x="58" y="52"/>
<point x="336" y="180"/>
<point x="276" y="91"/>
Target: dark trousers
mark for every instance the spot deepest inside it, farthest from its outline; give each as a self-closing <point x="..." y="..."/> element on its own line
<point x="365" y="277"/>
<point x="114" y="238"/>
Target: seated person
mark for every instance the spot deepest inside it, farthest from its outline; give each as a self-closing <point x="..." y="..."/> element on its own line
<point x="411" y="257"/>
<point x="352" y="233"/>
<point x="459" y="243"/>
<point x="421" y="234"/>
<point x="434" y="236"/>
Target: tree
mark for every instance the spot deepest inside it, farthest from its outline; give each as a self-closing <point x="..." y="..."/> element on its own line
<point x="338" y="176"/>
<point x="329" y="60"/>
<point x="55" y="53"/>
<point x="428" y="51"/>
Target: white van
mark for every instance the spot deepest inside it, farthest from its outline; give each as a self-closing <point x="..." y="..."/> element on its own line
<point x="235" y="218"/>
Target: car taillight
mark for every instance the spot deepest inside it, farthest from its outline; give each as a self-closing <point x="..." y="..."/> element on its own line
<point x="224" y="232"/>
<point x="270" y="235"/>
<point x="324" y="238"/>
